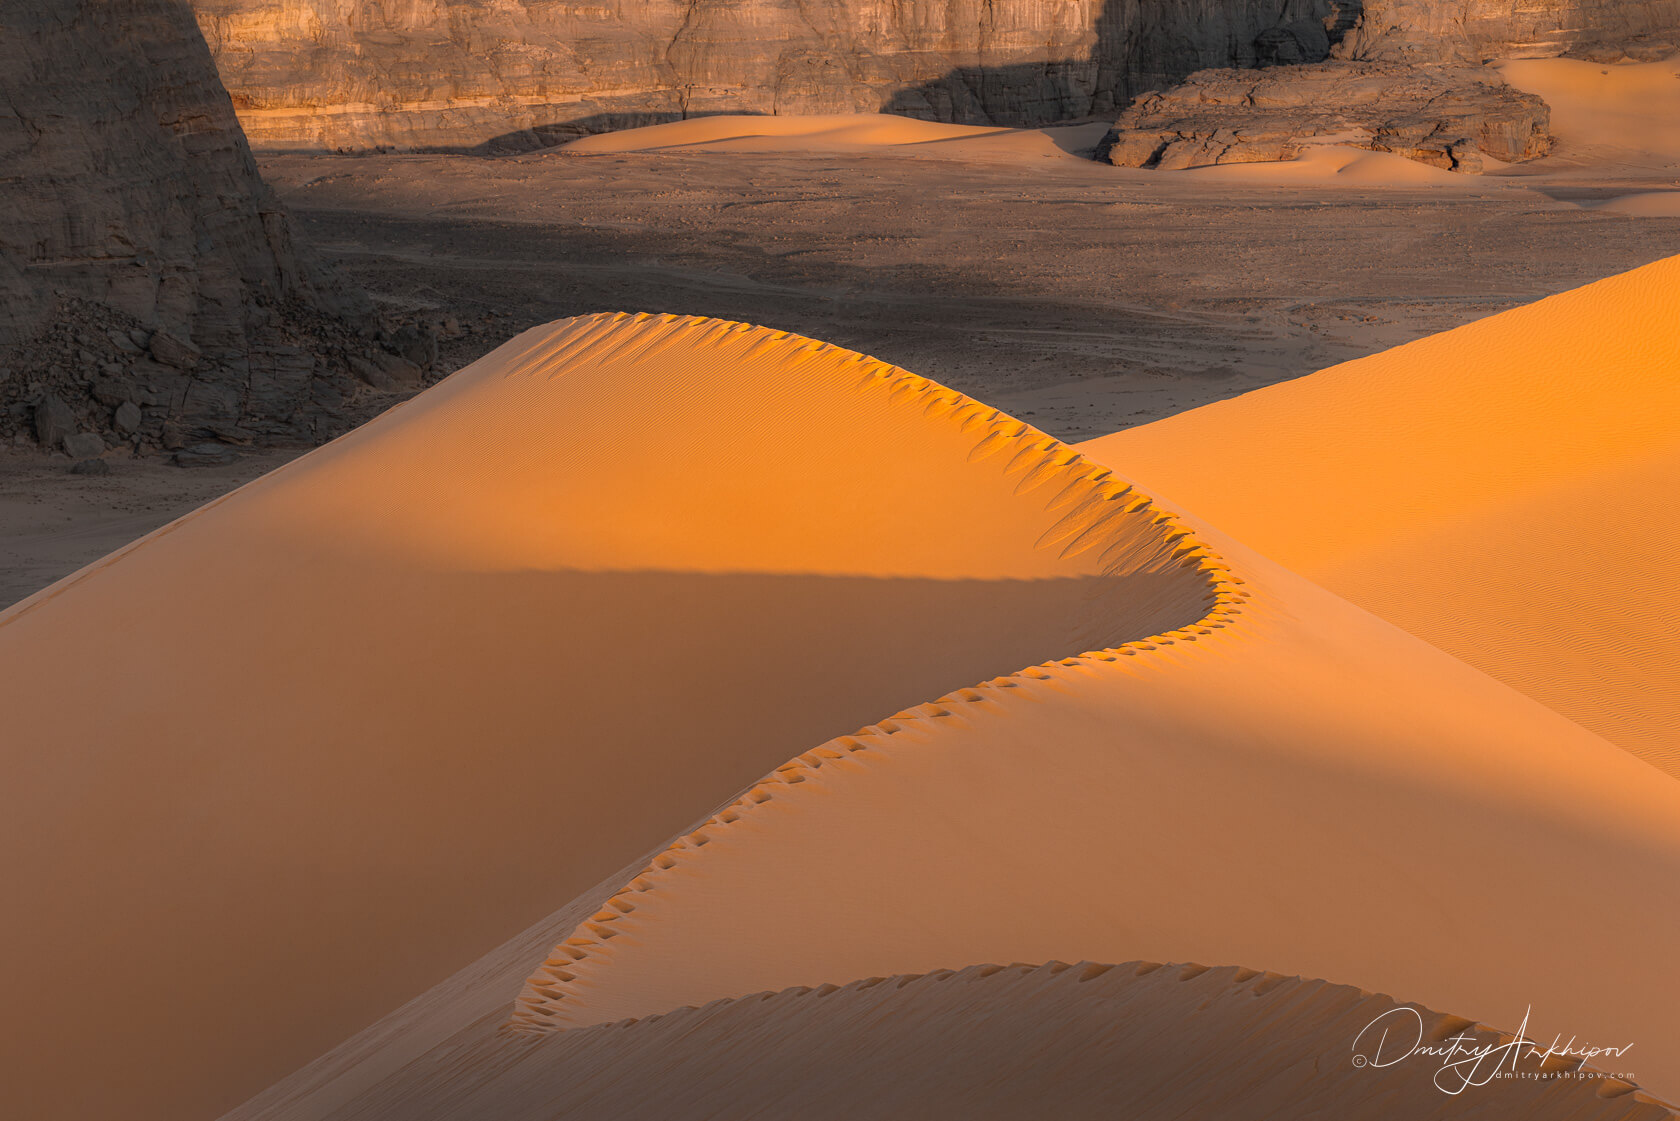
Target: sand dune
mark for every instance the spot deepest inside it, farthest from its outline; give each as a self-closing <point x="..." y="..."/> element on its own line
<point x="1644" y="204"/>
<point x="838" y="133"/>
<point x="348" y="728"/>
<point x="1139" y="1040"/>
<point x="1302" y="785"/>
<point x="1338" y="165"/>
<point x="1606" y="110"/>
<point x="498" y="648"/>
<point x="1498" y="490"/>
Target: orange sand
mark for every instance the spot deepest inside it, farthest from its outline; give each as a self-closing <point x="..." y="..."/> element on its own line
<point x="1142" y="1041"/>
<point x="1302" y="785"/>
<point x="319" y="744"/>
<point x="1499" y="491"/>
<point x="841" y="133"/>
<point x="500" y="646"/>
<point x="1629" y="112"/>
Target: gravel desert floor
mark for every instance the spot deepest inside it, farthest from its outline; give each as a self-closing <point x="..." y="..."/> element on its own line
<point x="1081" y="297"/>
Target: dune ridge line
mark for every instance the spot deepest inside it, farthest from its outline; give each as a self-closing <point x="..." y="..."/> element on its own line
<point x="1102" y="512"/>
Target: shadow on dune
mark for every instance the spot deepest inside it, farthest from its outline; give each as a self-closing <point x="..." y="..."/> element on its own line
<point x="423" y="761"/>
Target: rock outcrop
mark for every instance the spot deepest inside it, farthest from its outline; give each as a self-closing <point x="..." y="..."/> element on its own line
<point x="151" y="291"/>
<point x="356" y="74"/>
<point x="1447" y="116"/>
<point x="1404" y="76"/>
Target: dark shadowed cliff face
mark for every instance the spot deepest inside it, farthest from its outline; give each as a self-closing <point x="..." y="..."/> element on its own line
<point x="126" y="178"/>
<point x="150" y="290"/>
<point x="362" y="73"/>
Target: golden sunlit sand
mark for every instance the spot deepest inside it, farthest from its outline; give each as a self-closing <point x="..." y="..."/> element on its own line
<point x="500" y="643"/>
<point x="607" y="627"/>
<point x="840" y="134"/>
<point x="1498" y="491"/>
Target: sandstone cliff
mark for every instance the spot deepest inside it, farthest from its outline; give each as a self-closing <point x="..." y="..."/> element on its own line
<point x="1481" y="30"/>
<point x="151" y="293"/>
<point x="459" y="73"/>
<point x="450" y="73"/>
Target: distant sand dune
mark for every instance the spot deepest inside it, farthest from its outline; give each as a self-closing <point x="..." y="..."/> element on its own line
<point x="841" y="133"/>
<point x="1602" y="110"/>
<point x="1645" y="204"/>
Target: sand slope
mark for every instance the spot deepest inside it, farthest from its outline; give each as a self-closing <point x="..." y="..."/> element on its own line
<point x="1499" y="490"/>
<point x="337" y="735"/>
<point x="501" y="646"/>
<point x="353" y="725"/>
<point x="841" y="133"/>
<point x="1139" y="1040"/>
<point x="1625" y="112"/>
<point x="1302" y="785"/>
<point x="1338" y="165"/>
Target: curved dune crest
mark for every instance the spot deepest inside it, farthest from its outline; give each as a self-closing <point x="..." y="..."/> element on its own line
<point x="1140" y="1040"/>
<point x="1305" y="786"/>
<point x="1501" y="490"/>
<point x="512" y="636"/>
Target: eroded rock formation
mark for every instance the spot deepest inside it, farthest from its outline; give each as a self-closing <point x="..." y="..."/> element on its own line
<point x="353" y="74"/>
<point x="1448" y="116"/>
<point x="151" y="293"/>
<point x="1405" y="76"/>
<point x="459" y="73"/>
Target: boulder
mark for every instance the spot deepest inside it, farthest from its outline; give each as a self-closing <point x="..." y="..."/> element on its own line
<point x="205" y="455"/>
<point x="173" y="352"/>
<point x="53" y="421"/>
<point x="387" y="372"/>
<point x="127" y="418"/>
<point x="83" y="445"/>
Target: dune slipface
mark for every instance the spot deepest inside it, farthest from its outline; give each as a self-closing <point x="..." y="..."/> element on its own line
<point x="1503" y="491"/>
<point x="290" y="760"/>
<point x="1298" y="783"/>
<point x="1087" y="1040"/>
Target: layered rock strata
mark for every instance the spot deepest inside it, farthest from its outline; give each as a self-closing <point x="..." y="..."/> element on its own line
<point x="357" y="74"/>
